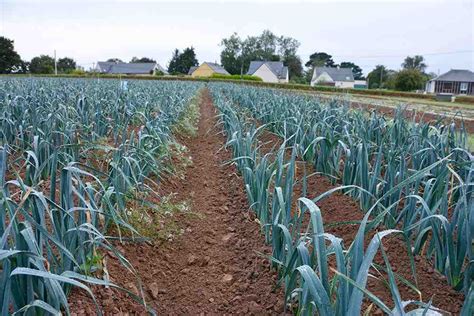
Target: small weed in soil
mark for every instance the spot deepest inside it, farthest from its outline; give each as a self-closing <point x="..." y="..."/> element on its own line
<point x="156" y="222"/>
<point x="187" y="125"/>
<point x="179" y="158"/>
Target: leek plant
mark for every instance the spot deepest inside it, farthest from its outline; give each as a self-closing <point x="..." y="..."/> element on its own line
<point x="412" y="177"/>
<point x="70" y="151"/>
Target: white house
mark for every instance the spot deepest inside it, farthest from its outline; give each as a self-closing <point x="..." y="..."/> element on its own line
<point x="113" y="68"/>
<point x="269" y="71"/>
<point x="335" y="77"/>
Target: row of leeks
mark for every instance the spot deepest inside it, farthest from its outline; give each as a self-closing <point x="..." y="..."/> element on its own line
<point x="327" y="136"/>
<point x="70" y="151"/>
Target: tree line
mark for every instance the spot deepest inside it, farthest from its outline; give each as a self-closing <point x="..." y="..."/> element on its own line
<point x="235" y="56"/>
<point x="11" y="62"/>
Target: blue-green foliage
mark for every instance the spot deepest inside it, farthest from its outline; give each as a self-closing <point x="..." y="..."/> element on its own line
<point x="407" y="175"/>
<point x="54" y="214"/>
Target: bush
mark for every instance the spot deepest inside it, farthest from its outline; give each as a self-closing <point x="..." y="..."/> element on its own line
<point x="409" y="80"/>
<point x="42" y="65"/>
<point x="78" y="72"/>
<point x="299" y="80"/>
<point x="236" y="77"/>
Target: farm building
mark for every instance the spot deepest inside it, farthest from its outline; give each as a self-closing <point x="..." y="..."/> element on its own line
<point x="335" y="77"/>
<point x="455" y="81"/>
<point x="207" y="70"/>
<point x="113" y="68"/>
<point x="269" y="71"/>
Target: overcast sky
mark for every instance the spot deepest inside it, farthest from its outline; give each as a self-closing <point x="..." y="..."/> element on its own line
<point x="365" y="32"/>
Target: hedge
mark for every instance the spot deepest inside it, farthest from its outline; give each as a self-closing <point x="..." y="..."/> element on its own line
<point x="236" y="77"/>
<point x="288" y="86"/>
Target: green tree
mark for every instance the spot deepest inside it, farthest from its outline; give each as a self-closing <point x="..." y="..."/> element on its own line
<point x="378" y="78"/>
<point x="231" y="54"/>
<point x="172" y="66"/>
<point x="142" y="60"/>
<point x="251" y="51"/>
<point x="268" y="43"/>
<point x="114" y="60"/>
<point x="356" y="70"/>
<point x="295" y="67"/>
<point x="416" y="62"/>
<point x="319" y="60"/>
<point x="237" y="53"/>
<point x="187" y="60"/>
<point x="42" y="65"/>
<point x="10" y="61"/>
<point x="180" y="63"/>
<point x="287" y="49"/>
<point x="66" y="65"/>
<point x="409" y="80"/>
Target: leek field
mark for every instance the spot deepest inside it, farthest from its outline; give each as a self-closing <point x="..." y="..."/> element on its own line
<point x="70" y="152"/>
<point x="73" y="150"/>
<point x="412" y="179"/>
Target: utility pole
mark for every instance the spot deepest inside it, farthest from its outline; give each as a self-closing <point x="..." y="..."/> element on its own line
<point x="55" y="64"/>
<point x="381" y="76"/>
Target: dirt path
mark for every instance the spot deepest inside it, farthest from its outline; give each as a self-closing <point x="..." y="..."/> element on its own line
<point x="213" y="267"/>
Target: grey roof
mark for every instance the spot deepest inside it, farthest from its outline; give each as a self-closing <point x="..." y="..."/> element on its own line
<point x="191" y="70"/>
<point x="337" y="74"/>
<point x="463" y="75"/>
<point x="276" y="67"/>
<point x="104" y="66"/>
<point x="128" y="68"/>
<point x="217" y="68"/>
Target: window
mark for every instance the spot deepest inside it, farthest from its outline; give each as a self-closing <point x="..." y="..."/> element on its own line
<point x="447" y="87"/>
<point x="463" y="86"/>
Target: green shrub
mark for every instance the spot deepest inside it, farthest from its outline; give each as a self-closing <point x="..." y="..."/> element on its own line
<point x="78" y="72"/>
<point x="236" y="77"/>
<point x="409" y="80"/>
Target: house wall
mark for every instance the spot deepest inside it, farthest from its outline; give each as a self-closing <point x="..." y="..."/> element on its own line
<point x="344" y="84"/>
<point x="322" y="78"/>
<point x="203" y="71"/>
<point x="453" y="87"/>
<point x="430" y="86"/>
<point x="266" y="74"/>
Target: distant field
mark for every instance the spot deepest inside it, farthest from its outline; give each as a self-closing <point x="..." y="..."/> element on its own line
<point x="460" y="111"/>
<point x="429" y="106"/>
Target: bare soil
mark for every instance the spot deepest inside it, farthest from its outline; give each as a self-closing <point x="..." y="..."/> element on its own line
<point x="215" y="266"/>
